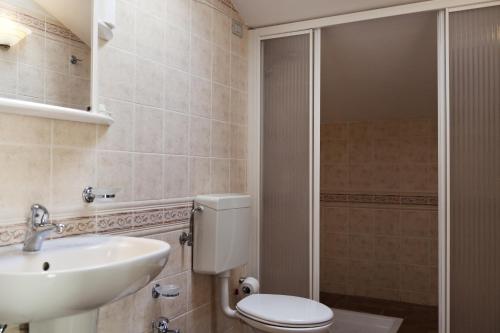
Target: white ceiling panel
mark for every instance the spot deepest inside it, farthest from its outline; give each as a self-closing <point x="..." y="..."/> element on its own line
<point x="259" y="13"/>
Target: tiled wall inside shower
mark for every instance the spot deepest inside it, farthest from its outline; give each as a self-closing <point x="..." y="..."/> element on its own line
<point x="379" y="209"/>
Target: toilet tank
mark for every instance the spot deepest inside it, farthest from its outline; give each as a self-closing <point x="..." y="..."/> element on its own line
<point x="220" y="232"/>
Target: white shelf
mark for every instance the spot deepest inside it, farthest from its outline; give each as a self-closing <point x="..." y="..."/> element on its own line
<point x="24" y="108"/>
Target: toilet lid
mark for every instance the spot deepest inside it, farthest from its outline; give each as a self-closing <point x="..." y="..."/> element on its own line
<point x="284" y="310"/>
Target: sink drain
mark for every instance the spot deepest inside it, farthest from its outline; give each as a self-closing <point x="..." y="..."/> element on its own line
<point x="45" y="266"/>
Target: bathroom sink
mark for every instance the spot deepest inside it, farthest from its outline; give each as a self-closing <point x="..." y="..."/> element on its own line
<point x="75" y="275"/>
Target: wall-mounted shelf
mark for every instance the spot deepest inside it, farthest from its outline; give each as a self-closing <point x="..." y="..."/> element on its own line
<point x="24" y="108"/>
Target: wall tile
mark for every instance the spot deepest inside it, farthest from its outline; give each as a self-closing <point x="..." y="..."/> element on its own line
<point x="70" y="133"/>
<point x="220" y="176"/>
<point x="57" y="56"/>
<point x="73" y="169"/>
<point x="34" y="130"/>
<point x="19" y="164"/>
<point x="176" y="133"/>
<point x="199" y="136"/>
<point x="115" y="170"/>
<point x="178" y="13"/>
<point x="238" y="73"/>
<point x="119" y="135"/>
<point x="201" y="20"/>
<point x="176" y="176"/>
<point x="176" y="90"/>
<point x="31" y="81"/>
<point x="118" y="68"/>
<point x="221" y="30"/>
<point x="239" y="112"/>
<point x="31" y="50"/>
<point x="201" y="58"/>
<point x="220" y="102"/>
<point x="177" y="48"/>
<point x="199" y="175"/>
<point x="201" y="97"/>
<point x="148" y="130"/>
<point x="8" y="84"/>
<point x="221" y="66"/>
<point x="238" y="172"/>
<point x="149" y="87"/>
<point x="151" y="37"/>
<point x="124" y="36"/>
<point x="148" y="177"/>
<point x="221" y="139"/>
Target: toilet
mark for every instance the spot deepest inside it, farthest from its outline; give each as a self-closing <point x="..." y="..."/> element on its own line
<point x="221" y="243"/>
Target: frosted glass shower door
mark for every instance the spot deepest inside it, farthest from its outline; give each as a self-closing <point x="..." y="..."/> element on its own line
<point x="474" y="120"/>
<point x="285" y="251"/>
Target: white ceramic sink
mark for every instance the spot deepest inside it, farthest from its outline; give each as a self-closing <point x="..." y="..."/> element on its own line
<point x="75" y="275"/>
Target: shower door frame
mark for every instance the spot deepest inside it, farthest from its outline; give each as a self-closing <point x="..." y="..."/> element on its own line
<point x="443" y="7"/>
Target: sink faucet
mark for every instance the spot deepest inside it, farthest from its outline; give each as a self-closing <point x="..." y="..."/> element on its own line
<point x="41" y="228"/>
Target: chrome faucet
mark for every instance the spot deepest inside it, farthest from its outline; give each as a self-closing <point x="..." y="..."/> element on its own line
<point x="41" y="228"/>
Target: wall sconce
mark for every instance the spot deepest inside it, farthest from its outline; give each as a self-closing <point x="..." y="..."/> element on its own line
<point x="11" y="32"/>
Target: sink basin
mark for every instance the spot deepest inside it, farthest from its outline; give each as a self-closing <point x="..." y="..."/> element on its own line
<point x="75" y="275"/>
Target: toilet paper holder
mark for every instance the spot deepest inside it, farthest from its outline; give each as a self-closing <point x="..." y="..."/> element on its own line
<point x="249" y="285"/>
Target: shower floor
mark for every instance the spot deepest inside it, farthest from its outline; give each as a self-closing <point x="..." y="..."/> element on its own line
<point x="416" y="318"/>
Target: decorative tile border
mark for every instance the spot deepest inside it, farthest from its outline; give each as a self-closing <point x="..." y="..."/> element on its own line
<point x="39" y="24"/>
<point x="107" y="222"/>
<point x="388" y="199"/>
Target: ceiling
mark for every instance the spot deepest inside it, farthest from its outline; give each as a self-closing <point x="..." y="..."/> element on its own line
<point x="259" y="13"/>
<point x="380" y="69"/>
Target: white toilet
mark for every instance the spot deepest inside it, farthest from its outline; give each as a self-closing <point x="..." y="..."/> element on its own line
<point x="221" y="243"/>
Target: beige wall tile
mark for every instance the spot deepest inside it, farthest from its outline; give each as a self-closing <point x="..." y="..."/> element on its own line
<point x="238" y="172"/>
<point x="31" y="81"/>
<point x="148" y="130"/>
<point x="221" y="102"/>
<point x="177" y="48"/>
<point x="239" y="112"/>
<point x="199" y="136"/>
<point x="199" y="175"/>
<point x="238" y="70"/>
<point x="176" y="133"/>
<point x="176" y="176"/>
<point x="70" y="133"/>
<point x="201" y="97"/>
<point x="57" y="56"/>
<point x="148" y="177"/>
<point x="221" y="139"/>
<point x="124" y="35"/>
<point x="149" y="89"/>
<point x="221" y="30"/>
<point x="221" y="65"/>
<point x="176" y="90"/>
<point x="34" y="130"/>
<point x="118" y="68"/>
<point x="119" y="136"/>
<point x="200" y="289"/>
<point x="20" y="164"/>
<point x="201" y="58"/>
<point x="178" y="13"/>
<point x="73" y="169"/>
<point x="31" y="50"/>
<point x="220" y="176"/>
<point x="114" y="170"/>
<point x="151" y="36"/>
<point x="201" y="20"/>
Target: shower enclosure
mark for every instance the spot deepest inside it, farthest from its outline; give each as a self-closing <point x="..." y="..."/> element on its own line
<point x="284" y="151"/>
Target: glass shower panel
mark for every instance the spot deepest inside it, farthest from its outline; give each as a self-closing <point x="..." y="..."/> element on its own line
<point x="474" y="46"/>
<point x="286" y="209"/>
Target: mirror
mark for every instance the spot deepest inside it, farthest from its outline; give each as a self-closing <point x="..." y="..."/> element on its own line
<point x="45" y="51"/>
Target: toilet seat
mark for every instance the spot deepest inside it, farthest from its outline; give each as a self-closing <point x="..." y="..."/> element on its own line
<point x="282" y="313"/>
